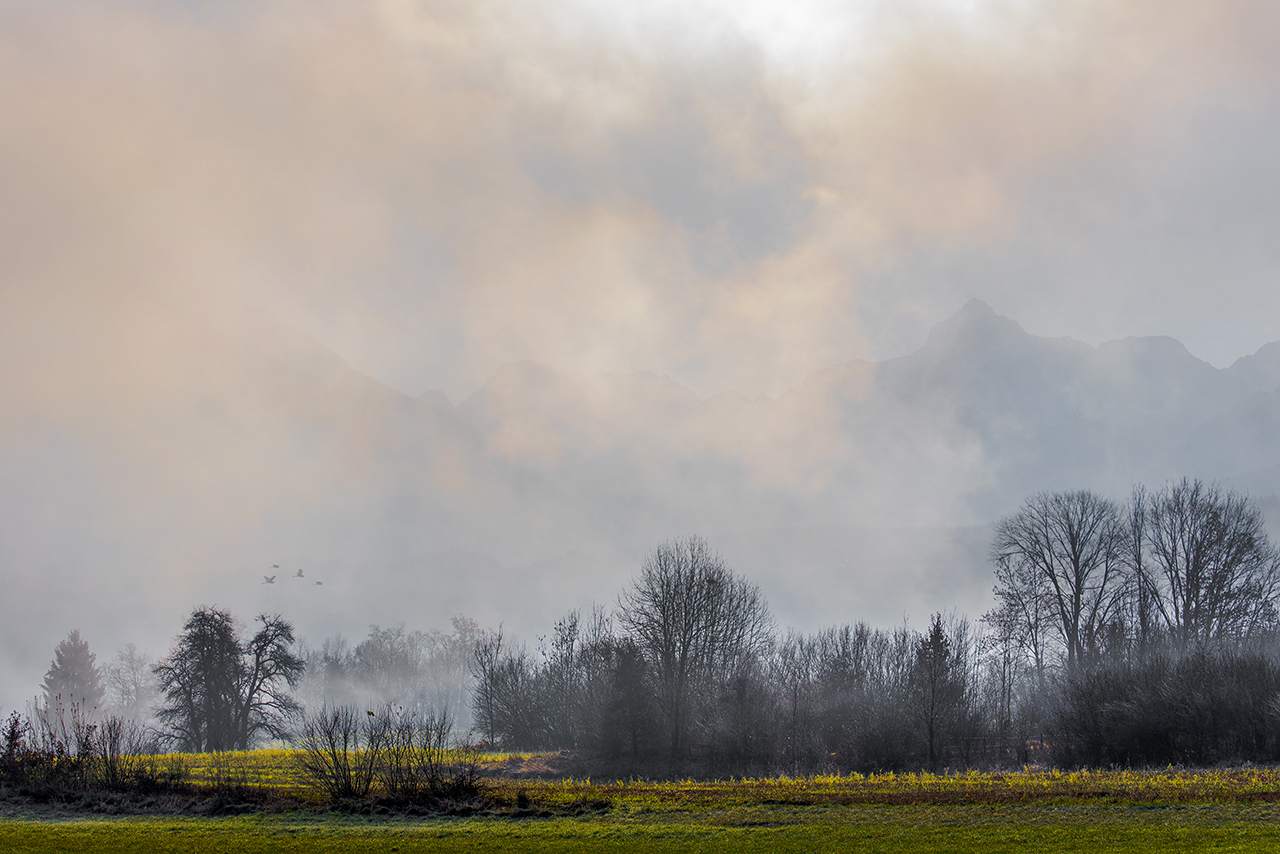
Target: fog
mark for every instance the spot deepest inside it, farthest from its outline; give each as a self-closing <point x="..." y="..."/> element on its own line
<point x="641" y="252"/>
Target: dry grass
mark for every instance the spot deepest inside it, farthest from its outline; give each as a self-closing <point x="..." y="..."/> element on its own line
<point x="505" y="776"/>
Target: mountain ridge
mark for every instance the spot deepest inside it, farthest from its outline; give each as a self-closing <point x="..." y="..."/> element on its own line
<point x="1042" y="410"/>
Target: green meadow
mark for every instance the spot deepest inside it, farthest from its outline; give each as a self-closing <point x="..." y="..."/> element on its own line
<point x="935" y="828"/>
<point x="1131" y="811"/>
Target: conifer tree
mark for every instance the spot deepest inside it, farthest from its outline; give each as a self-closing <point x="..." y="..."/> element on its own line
<point x="73" y="677"/>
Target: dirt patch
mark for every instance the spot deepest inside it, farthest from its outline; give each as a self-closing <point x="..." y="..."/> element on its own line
<point x="537" y="766"/>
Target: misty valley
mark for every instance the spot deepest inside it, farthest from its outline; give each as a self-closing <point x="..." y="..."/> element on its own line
<point x="867" y="491"/>
<point x="690" y="425"/>
<point x="1116" y="613"/>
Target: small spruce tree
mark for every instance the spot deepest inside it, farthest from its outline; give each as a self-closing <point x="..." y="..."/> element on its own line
<point x="73" y="677"/>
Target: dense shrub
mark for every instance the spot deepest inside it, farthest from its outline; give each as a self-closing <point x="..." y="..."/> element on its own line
<point x="1210" y="705"/>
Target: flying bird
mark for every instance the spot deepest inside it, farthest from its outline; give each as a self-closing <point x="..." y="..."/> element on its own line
<point x="298" y="574"/>
<point x="319" y="583"/>
<point x="269" y="579"/>
<point x="275" y="566"/>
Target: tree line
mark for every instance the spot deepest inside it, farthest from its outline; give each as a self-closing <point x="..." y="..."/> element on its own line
<point x="223" y="688"/>
<point x="1142" y="632"/>
<point x="1136" y="632"/>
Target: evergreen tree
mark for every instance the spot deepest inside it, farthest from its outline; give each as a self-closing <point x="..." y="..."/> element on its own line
<point x="73" y="677"/>
<point x="937" y="685"/>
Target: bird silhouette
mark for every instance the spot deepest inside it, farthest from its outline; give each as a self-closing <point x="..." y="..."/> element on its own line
<point x="269" y="579"/>
<point x="275" y="566"/>
<point x="319" y="583"/>
<point x="298" y="574"/>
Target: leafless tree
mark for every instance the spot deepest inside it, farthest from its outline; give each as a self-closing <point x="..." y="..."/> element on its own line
<point x="796" y="666"/>
<point x="265" y="705"/>
<point x="1213" y="571"/>
<point x="1021" y="622"/>
<point x="1142" y="592"/>
<point x="696" y="622"/>
<point x="1061" y="553"/>
<point x="131" y="685"/>
<point x="222" y="693"/>
<point x="563" y="662"/>
<point x="485" y="660"/>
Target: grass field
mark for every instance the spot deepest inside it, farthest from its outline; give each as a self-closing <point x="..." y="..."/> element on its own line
<point x="905" y="828"/>
<point x="1131" y="811"/>
<point x="503" y="773"/>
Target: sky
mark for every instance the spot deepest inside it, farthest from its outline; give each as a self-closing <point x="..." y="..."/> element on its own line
<point x="735" y="194"/>
<point x="732" y="194"/>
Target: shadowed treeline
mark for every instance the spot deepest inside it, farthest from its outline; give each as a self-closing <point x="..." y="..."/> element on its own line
<point x="1138" y="635"/>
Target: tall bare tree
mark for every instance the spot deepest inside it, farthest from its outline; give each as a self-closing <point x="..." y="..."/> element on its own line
<point x="1214" y="572"/>
<point x="696" y="622"/>
<point x="1062" y="553"/>
<point x="132" y="684"/>
<point x="1142" y="587"/>
<point x="264" y="703"/>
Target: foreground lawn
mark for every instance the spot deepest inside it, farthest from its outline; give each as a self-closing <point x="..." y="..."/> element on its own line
<point x="1128" y="811"/>
<point x="907" y="828"/>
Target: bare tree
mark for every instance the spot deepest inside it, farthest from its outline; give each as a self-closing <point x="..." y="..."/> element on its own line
<point x="223" y="694"/>
<point x="1021" y="622"/>
<point x="264" y="704"/>
<point x="1142" y="585"/>
<point x="132" y="685"/>
<point x="796" y="677"/>
<point x="485" y="659"/>
<point x="1213" y="571"/>
<point x="562" y="655"/>
<point x="1062" y="551"/>
<point x="696" y="622"/>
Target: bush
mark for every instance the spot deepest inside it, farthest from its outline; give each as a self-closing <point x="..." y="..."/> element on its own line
<point x="61" y="753"/>
<point x="1199" y="708"/>
<point x="345" y="751"/>
<point x="340" y="749"/>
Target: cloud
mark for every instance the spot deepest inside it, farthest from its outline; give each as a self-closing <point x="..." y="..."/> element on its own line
<point x="434" y="188"/>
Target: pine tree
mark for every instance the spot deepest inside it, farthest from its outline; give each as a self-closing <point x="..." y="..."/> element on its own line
<point x="73" y="677"/>
<point x="937" y="684"/>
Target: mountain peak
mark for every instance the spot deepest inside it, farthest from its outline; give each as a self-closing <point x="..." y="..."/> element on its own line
<point x="974" y="325"/>
<point x="976" y="308"/>
<point x="1261" y="370"/>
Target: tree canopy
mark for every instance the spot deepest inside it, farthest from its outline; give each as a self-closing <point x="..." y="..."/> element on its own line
<point x="223" y="693"/>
